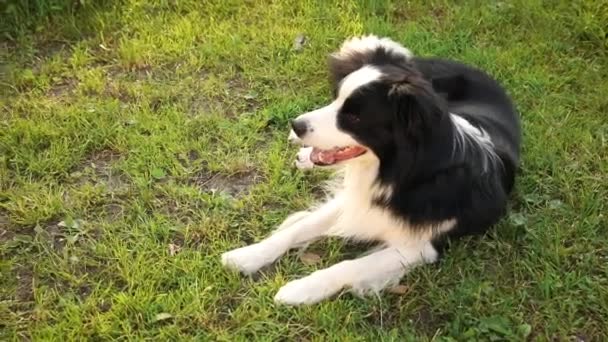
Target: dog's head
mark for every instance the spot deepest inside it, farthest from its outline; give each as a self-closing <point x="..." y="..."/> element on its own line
<point x="381" y="104"/>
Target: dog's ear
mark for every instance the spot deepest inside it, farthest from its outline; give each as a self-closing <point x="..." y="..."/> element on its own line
<point x="342" y="65"/>
<point x="416" y="106"/>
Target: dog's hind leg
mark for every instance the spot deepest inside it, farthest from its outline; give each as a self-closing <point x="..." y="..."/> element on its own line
<point x="297" y="230"/>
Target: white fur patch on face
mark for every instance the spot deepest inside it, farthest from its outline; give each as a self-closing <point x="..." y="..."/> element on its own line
<point x="303" y="161"/>
<point x="371" y="42"/>
<point x="293" y="137"/>
<point x="355" y="80"/>
<point x="323" y="122"/>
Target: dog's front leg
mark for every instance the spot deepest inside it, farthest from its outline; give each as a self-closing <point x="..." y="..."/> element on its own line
<point x="297" y="230"/>
<point x="369" y="274"/>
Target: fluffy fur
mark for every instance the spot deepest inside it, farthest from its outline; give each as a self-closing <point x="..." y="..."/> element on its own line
<point x="442" y="144"/>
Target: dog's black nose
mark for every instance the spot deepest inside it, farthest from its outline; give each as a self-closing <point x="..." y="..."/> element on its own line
<point x="299" y="127"/>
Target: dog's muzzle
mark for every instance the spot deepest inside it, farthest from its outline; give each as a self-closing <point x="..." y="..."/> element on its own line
<point x="303" y="161"/>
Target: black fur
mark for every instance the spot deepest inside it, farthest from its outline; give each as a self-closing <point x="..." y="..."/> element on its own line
<point x="405" y="119"/>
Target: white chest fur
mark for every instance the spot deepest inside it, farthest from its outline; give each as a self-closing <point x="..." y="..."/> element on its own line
<point x="360" y="219"/>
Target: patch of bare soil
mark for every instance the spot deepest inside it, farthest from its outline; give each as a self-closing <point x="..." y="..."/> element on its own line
<point x="97" y="168"/>
<point x="5" y="233"/>
<point x="115" y="91"/>
<point x="63" y="87"/>
<point x="113" y="211"/>
<point x="426" y="320"/>
<point x="54" y="235"/>
<point x="385" y="318"/>
<point x="233" y="185"/>
<point x="25" y="285"/>
<point x="102" y="160"/>
<point x="237" y="98"/>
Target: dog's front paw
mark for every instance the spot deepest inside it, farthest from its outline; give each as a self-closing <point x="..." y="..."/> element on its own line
<point x="308" y="290"/>
<point x="249" y="259"/>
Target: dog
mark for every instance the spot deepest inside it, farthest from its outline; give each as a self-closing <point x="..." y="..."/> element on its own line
<point x="427" y="150"/>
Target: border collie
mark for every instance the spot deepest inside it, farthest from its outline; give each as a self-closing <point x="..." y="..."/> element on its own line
<point x="428" y="150"/>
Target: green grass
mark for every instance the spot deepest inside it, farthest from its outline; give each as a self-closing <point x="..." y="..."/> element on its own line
<point x="140" y="139"/>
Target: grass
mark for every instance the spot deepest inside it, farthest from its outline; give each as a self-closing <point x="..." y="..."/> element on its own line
<point x="139" y="140"/>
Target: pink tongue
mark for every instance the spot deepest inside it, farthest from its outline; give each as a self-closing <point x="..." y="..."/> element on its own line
<point x="328" y="157"/>
<point x="349" y="152"/>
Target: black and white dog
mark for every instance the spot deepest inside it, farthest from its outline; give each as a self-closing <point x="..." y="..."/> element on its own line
<point x="429" y="150"/>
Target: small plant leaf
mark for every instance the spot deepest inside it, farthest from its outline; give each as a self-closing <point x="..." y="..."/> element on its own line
<point x="162" y="316"/>
<point x="497" y="324"/>
<point x="250" y="96"/>
<point x="524" y="330"/>
<point x="517" y="219"/>
<point x="555" y="204"/>
<point x="158" y="173"/>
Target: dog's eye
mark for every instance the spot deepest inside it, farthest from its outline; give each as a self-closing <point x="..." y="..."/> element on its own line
<point x="353" y="118"/>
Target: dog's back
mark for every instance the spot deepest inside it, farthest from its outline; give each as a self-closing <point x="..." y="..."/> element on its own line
<point x="475" y="96"/>
<point x="478" y="103"/>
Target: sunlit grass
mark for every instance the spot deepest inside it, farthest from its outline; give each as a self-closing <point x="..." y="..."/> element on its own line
<point x="139" y="140"/>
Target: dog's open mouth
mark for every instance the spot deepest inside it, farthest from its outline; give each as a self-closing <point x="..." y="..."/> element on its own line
<point x="330" y="157"/>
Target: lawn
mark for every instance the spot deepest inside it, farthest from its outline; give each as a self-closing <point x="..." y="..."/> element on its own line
<point x="141" y="139"/>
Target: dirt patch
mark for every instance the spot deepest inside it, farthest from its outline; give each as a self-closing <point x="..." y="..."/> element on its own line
<point x="136" y="71"/>
<point x="403" y="13"/>
<point x="104" y="306"/>
<point x="193" y="155"/>
<point x="97" y="168"/>
<point x="439" y="12"/>
<point x="427" y="321"/>
<point x="55" y="236"/>
<point x="54" y="233"/>
<point x="406" y="12"/>
<point x="237" y="98"/>
<point x="144" y="72"/>
<point x="233" y="185"/>
<point x="102" y="160"/>
<point x="5" y="233"/>
<point x="196" y="238"/>
<point x="115" y="91"/>
<point x="156" y="103"/>
<point x="185" y="211"/>
<point x="141" y="71"/>
<point x="84" y="291"/>
<point x="205" y="106"/>
<point x="264" y="273"/>
<point x="63" y="88"/>
<point x="223" y="317"/>
<point x="113" y="211"/>
<point x="385" y="318"/>
<point x="25" y="285"/>
<point x="49" y="48"/>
